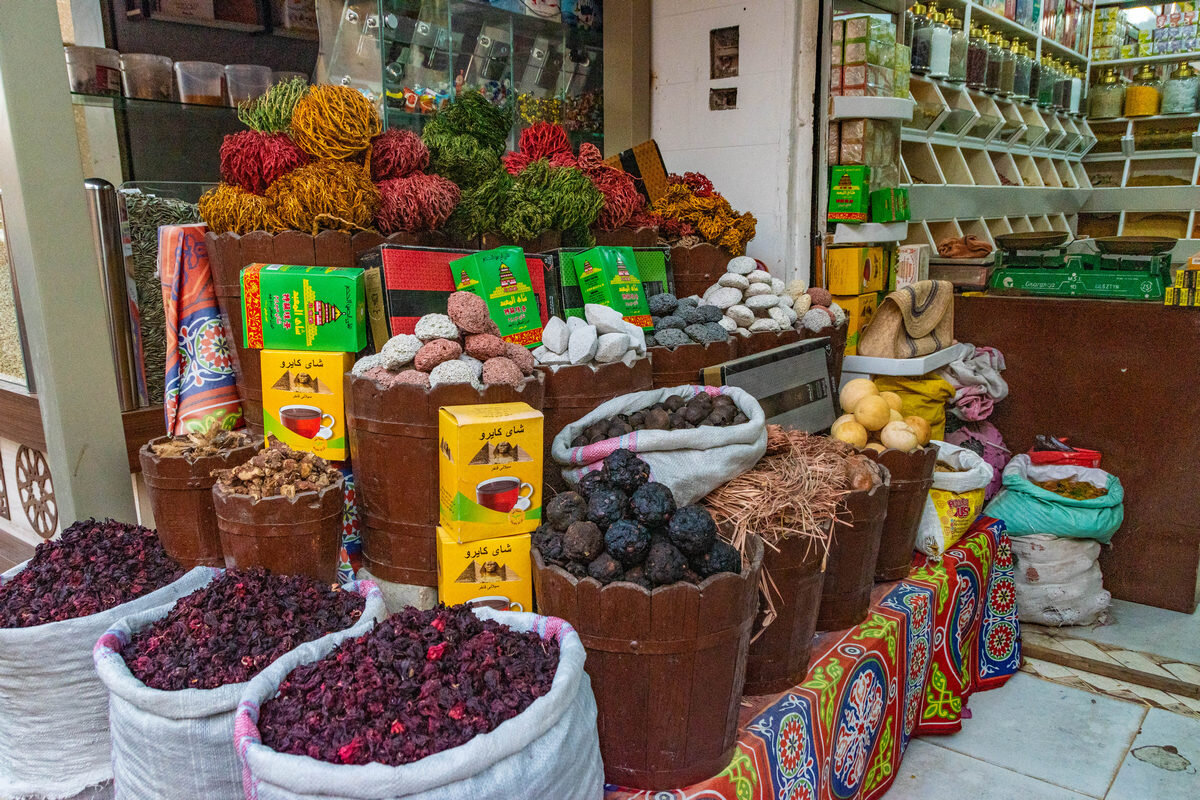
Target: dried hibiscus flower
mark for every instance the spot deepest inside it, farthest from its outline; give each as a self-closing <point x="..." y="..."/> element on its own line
<point x="421" y="682"/>
<point x="233" y="628"/>
<point x="92" y="567"/>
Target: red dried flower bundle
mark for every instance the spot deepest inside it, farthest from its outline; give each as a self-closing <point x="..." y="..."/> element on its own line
<point x="254" y="160"/>
<point x="397" y="153"/>
<point x="416" y="203"/>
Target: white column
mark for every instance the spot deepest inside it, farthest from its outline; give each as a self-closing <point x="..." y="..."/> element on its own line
<point x="54" y="261"/>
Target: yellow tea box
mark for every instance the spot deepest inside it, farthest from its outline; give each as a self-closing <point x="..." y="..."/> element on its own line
<point x="490" y="465"/>
<point x="303" y="404"/>
<point x="490" y="572"/>
<point x="859" y="310"/>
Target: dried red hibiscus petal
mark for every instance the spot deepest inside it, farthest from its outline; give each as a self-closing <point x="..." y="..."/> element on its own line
<point x="92" y="567"/>
<point x="233" y="628"/>
<point x="381" y="698"/>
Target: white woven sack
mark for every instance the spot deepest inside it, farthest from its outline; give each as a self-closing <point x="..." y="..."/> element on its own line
<point x="1058" y="580"/>
<point x="691" y="462"/>
<point x="974" y="474"/>
<point x="180" y="743"/>
<point x="549" y="750"/>
<point x="54" y="740"/>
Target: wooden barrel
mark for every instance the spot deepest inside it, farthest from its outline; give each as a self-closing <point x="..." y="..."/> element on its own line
<point x="853" y="551"/>
<point x="762" y="341"/>
<point x="573" y="391"/>
<point x="697" y="267"/>
<point x="394" y="445"/>
<point x="627" y="237"/>
<point x="667" y="667"/>
<point x="543" y="243"/>
<point x="835" y="351"/>
<point x="778" y="657"/>
<point x="681" y="366"/>
<point x="912" y="475"/>
<point x="228" y="253"/>
<point x="302" y="536"/>
<point x="181" y="499"/>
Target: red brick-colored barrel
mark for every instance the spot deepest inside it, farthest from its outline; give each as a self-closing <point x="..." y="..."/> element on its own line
<point x="573" y="391"/>
<point x="627" y="237"/>
<point x="681" y="366"/>
<point x="762" y="341"/>
<point x="394" y="445"/>
<point x="778" y="658"/>
<point x="835" y="351"/>
<point x="667" y="667"/>
<point x="302" y="536"/>
<point x="697" y="267"/>
<point x="228" y="253"/>
<point x="182" y="502"/>
<point x="853" y="551"/>
<point x="912" y="475"/>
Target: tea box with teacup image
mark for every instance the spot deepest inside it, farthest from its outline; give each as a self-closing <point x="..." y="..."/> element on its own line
<point x="490" y="465"/>
<point x="496" y="573"/>
<point x="303" y="404"/>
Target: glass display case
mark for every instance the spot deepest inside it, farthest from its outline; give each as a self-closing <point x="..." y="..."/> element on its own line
<point x="542" y="59"/>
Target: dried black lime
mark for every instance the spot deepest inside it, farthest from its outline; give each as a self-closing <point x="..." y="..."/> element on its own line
<point x="605" y="569"/>
<point x="590" y="482"/>
<point x="723" y="557"/>
<point x="664" y="563"/>
<point x="624" y="470"/>
<point x="565" y="508"/>
<point x="692" y="530"/>
<point x="606" y="506"/>
<point x="652" y="504"/>
<point x="583" y="541"/>
<point x="627" y="541"/>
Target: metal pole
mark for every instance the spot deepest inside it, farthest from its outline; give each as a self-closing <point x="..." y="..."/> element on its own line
<point x="50" y="242"/>
<point x="106" y="230"/>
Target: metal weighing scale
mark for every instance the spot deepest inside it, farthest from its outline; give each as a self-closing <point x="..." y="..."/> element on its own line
<point x="1127" y="268"/>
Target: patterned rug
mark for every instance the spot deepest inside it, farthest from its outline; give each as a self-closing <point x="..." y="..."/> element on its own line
<point x="928" y="642"/>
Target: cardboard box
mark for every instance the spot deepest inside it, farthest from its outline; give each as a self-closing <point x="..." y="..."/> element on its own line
<point x="859" y="311"/>
<point x="609" y="276"/>
<point x="848" y="190"/>
<point x="912" y="265"/>
<point x="490" y="470"/>
<point x="562" y="284"/>
<point x="303" y="404"/>
<point x="644" y="163"/>
<point x="489" y="572"/>
<point x="890" y="205"/>
<point x="290" y="307"/>
<point x="187" y="9"/>
<point x="501" y="277"/>
<point x="854" y="270"/>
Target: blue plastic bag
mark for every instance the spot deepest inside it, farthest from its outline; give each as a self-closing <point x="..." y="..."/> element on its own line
<point x="1027" y="508"/>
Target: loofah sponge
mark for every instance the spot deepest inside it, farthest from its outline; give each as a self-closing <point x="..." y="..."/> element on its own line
<point x="323" y="195"/>
<point x="227" y="208"/>
<point x="334" y="122"/>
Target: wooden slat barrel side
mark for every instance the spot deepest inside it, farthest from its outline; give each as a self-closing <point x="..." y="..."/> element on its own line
<point x="681" y="366"/>
<point x="778" y="656"/>
<point x="853" y="552"/>
<point x="763" y="341"/>
<point x="684" y="672"/>
<point x="911" y="478"/>
<point x="394" y="447"/>
<point x="697" y="267"/>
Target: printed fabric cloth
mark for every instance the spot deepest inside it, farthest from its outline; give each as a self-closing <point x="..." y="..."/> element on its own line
<point x="200" y="390"/>
<point x="928" y="642"/>
<point x="977" y="382"/>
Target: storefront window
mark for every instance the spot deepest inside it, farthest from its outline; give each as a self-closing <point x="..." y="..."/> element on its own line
<point x="12" y="357"/>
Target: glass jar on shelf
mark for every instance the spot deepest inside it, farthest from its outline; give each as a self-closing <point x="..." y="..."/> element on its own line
<point x="1046" y="83"/>
<point x="1075" y="91"/>
<point x="1021" y="69"/>
<point x="939" y="44"/>
<point x="920" y="38"/>
<point x="1035" y="75"/>
<point x="1107" y="97"/>
<point x="977" y="59"/>
<point x="910" y="22"/>
<point x="959" y="43"/>
<point x="1179" y="94"/>
<point x="1062" y="87"/>
<point x="1143" y="95"/>
<point x="1008" y="67"/>
<point x="993" y="67"/>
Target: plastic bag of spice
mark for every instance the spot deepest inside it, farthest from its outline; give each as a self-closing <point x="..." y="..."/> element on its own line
<point x="690" y="461"/>
<point x="954" y="500"/>
<point x="54" y="737"/>
<point x="549" y="750"/>
<point x="154" y="731"/>
<point x="1028" y="507"/>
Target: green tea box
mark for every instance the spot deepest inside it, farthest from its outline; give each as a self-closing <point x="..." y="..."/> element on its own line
<point x="609" y="276"/>
<point x="501" y="277"/>
<point x="288" y="307"/>
<point x="848" y="193"/>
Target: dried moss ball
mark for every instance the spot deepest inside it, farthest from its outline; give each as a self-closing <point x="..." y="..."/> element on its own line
<point x="606" y="506"/>
<point x="723" y="557"/>
<point x="323" y="195"/>
<point x="334" y="122"/>
<point x="664" y="563"/>
<point x="624" y="470"/>
<point x="565" y="509"/>
<point x="627" y="541"/>
<point x="397" y="153"/>
<point x="652" y="504"/>
<point x="231" y="209"/>
<point x="692" y="530"/>
<point x="605" y="569"/>
<point x="254" y="160"/>
<point x="591" y="482"/>
<point x="415" y="204"/>
<point x="583" y="541"/>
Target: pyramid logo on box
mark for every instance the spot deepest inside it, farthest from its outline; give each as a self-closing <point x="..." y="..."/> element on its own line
<point x="321" y="312"/>
<point x="464" y="280"/>
<point x="508" y="283"/>
<point x="623" y="275"/>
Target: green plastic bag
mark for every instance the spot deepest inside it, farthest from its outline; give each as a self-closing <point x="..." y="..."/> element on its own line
<point x="1027" y="508"/>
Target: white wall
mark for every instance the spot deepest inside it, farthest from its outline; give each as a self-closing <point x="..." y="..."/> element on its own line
<point x="759" y="155"/>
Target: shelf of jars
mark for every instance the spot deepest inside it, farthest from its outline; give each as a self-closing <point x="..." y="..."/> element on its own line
<point x="1061" y="27"/>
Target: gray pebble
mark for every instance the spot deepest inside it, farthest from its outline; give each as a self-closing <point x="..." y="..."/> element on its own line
<point x="663" y="304"/>
<point x="704" y="333"/>
<point x="651" y="341"/>
<point x="689" y="302"/>
<point x="671" y="321"/>
<point x="709" y="314"/>
<point x="671" y="337"/>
